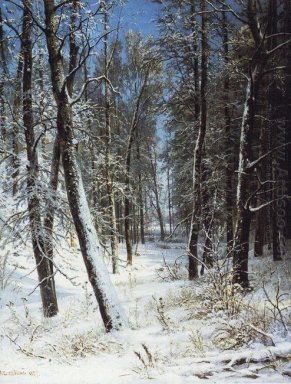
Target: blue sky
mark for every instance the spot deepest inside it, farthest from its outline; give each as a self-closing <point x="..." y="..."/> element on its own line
<point x="140" y="15"/>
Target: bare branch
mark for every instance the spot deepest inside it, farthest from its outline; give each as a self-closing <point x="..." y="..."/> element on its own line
<point x="85" y="85"/>
<point x="251" y="165"/>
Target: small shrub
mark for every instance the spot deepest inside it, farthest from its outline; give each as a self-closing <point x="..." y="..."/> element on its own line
<point x="172" y="272"/>
<point x="249" y="326"/>
<point x="277" y="306"/>
<point x="5" y="275"/>
<point x="148" y="362"/>
<point x="197" y="342"/>
<point x="163" y="318"/>
<point x="77" y="345"/>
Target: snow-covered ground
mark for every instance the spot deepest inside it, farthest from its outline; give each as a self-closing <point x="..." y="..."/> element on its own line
<point x="180" y="331"/>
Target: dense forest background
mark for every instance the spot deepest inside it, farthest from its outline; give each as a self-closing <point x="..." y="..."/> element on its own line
<point x="111" y="136"/>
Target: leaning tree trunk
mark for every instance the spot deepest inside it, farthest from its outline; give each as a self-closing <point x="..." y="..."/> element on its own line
<point x="56" y="158"/>
<point x="105" y="294"/>
<point x="45" y="277"/>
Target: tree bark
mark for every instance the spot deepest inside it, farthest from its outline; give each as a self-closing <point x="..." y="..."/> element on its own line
<point x="157" y="198"/>
<point x="243" y="214"/>
<point x="287" y="29"/>
<point x="108" y="150"/>
<point x="261" y="216"/>
<point x="3" y="72"/>
<point x="140" y="197"/>
<point x="50" y="208"/>
<point x="132" y="132"/>
<point x="278" y="135"/>
<point x="228" y="144"/>
<point x="196" y="212"/>
<point x="105" y="294"/>
<point x="46" y="278"/>
<point x="15" y="128"/>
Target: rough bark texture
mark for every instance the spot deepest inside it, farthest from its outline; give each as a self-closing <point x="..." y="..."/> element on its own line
<point x="207" y="216"/>
<point x="261" y="216"/>
<point x="196" y="213"/>
<point x="157" y="198"/>
<point x="50" y="207"/>
<point x="108" y="150"/>
<point x="3" y="72"/>
<point x="243" y="215"/>
<point x="278" y="135"/>
<point x="228" y="144"/>
<point x="140" y="198"/>
<point x="56" y="158"/>
<point x="46" y="279"/>
<point x="110" y="310"/>
<point x="15" y="128"/>
<point x="287" y="29"/>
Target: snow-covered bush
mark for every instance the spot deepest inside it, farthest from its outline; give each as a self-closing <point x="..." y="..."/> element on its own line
<point x="161" y="314"/>
<point x="172" y="271"/>
<point x="249" y="327"/>
<point x="5" y="274"/>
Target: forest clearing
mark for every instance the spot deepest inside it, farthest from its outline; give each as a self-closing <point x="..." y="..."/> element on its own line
<point x="179" y="332"/>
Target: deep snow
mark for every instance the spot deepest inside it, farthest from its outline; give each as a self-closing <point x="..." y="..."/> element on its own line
<point x="171" y="338"/>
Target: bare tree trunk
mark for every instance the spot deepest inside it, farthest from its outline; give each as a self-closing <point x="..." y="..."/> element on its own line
<point x="243" y="197"/>
<point x="157" y="198"/>
<point x="46" y="278"/>
<point x="140" y="198"/>
<point x="141" y="212"/>
<point x="196" y="213"/>
<point x="278" y="135"/>
<point x="169" y="200"/>
<point x="105" y="294"/>
<point x="108" y="150"/>
<point x="127" y="217"/>
<point x="228" y="144"/>
<point x="55" y="162"/>
<point x="261" y="214"/>
<point x="3" y="72"/>
<point x="207" y="217"/>
<point x="15" y="128"/>
<point x="50" y="209"/>
<point x="132" y="132"/>
<point x="243" y="214"/>
<point x="287" y="29"/>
